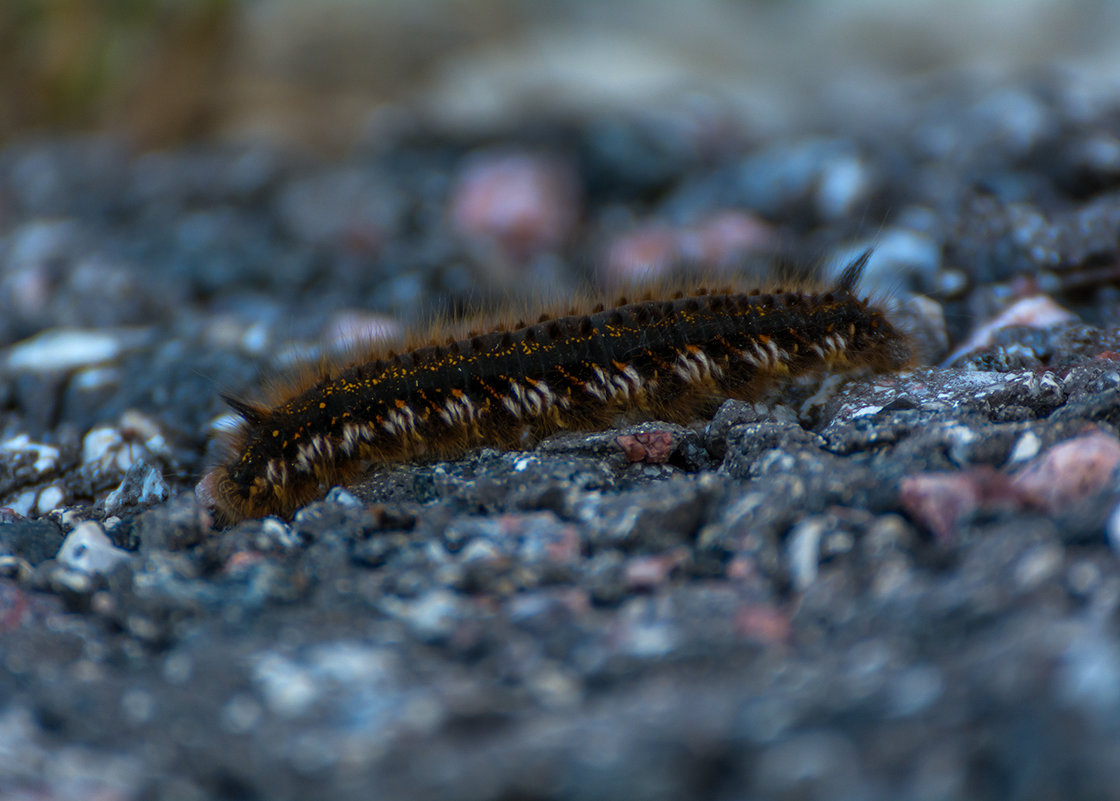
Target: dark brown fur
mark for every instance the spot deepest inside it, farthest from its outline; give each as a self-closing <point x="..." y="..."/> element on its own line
<point x="657" y="359"/>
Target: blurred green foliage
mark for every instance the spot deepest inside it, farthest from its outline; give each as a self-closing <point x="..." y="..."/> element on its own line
<point x="146" y="67"/>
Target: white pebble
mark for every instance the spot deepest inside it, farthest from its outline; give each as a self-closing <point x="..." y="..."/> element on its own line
<point x="843" y="184"/>
<point x="97" y="444"/>
<point x="1026" y="447"/>
<point x="1039" y="565"/>
<point x="94" y="378"/>
<point x="88" y="550"/>
<point x="804" y="552"/>
<point x="279" y="533"/>
<point x="433" y="616"/>
<point x="23" y="503"/>
<point x="49" y="499"/>
<point x="343" y="496"/>
<point x="64" y="349"/>
<point x="105" y="448"/>
<point x="46" y="456"/>
<point x="288" y="689"/>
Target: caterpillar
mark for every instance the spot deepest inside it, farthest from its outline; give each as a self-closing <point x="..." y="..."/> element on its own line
<point x="666" y="359"/>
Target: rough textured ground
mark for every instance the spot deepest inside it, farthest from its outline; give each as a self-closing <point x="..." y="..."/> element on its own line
<point x="900" y="587"/>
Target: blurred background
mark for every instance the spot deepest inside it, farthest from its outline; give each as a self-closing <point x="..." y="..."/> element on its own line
<point x="322" y="75"/>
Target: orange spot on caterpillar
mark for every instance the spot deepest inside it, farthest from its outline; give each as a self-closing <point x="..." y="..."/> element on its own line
<point x="671" y="358"/>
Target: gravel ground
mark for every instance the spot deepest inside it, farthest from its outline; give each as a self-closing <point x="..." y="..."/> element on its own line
<point x="899" y="587"/>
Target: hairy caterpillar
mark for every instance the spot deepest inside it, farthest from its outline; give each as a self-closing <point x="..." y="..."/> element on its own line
<point x="666" y="359"/>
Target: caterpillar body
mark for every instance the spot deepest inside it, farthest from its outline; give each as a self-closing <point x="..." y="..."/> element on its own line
<point x="668" y="359"/>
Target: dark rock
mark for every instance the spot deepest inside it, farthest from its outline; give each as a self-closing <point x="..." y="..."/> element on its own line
<point x="177" y="525"/>
<point x="142" y="486"/>
<point x="33" y="540"/>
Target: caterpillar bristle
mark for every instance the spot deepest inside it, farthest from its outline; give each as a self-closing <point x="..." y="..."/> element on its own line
<point x="249" y="412"/>
<point x="849" y="278"/>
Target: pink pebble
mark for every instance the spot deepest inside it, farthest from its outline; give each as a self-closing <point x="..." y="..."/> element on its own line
<point x="641" y="255"/>
<point x="1069" y="472"/>
<point x="725" y="238"/>
<point x="649" y="572"/>
<point x="718" y="242"/>
<point x="523" y="203"/>
<point x="763" y="624"/>
<point x="652" y="447"/>
<point x="1037" y="311"/>
<point x="242" y="561"/>
<point x="565" y="547"/>
<point x="940" y="501"/>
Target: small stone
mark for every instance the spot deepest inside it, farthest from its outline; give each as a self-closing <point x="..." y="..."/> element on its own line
<point x="88" y="550"/>
<point x="763" y="623"/>
<point x="49" y="499"/>
<point x="434" y="616"/>
<point x="45" y="456"/>
<point x="939" y="501"/>
<point x="32" y="540"/>
<point x="63" y="349"/>
<point x="845" y="181"/>
<point x="23" y="503"/>
<point x="289" y="689"/>
<point x="652" y="447"/>
<point x="889" y="534"/>
<point x="174" y="525"/>
<point x="651" y="571"/>
<point x="555" y="688"/>
<point x="523" y="202"/>
<point x="1037" y="311"/>
<point x="1069" y="472"/>
<point x="718" y="242"/>
<point x="343" y="497"/>
<point x="641" y="255"/>
<point x="725" y="238"/>
<point x="549" y="541"/>
<point x="109" y="449"/>
<point x="1026" y="447"/>
<point x="1038" y="565"/>
<point x="479" y="551"/>
<point x="805" y="550"/>
<point x="645" y="637"/>
<point x="143" y="486"/>
<point x="275" y="533"/>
